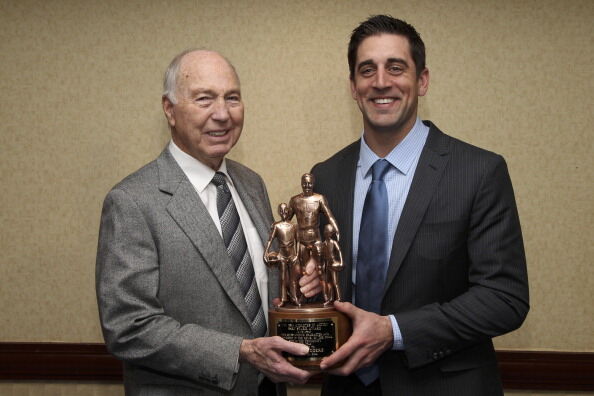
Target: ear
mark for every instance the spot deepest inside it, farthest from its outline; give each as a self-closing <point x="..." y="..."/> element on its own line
<point x="423" y="82"/>
<point x="353" y="90"/>
<point x="168" y="110"/>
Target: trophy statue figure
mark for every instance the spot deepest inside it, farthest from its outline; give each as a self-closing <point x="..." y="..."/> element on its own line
<point x="332" y="259"/>
<point x="286" y="258"/>
<point x="316" y="324"/>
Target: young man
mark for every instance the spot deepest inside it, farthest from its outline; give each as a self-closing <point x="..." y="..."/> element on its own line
<point x="433" y="253"/>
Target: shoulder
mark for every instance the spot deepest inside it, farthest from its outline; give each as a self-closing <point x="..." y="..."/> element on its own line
<point x="347" y="155"/>
<point x="459" y="151"/>
<point x="138" y="182"/>
<point x="244" y="173"/>
<point x="296" y="198"/>
<point x="156" y="180"/>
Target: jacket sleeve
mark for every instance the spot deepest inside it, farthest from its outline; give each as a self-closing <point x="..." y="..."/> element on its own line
<point x="495" y="300"/>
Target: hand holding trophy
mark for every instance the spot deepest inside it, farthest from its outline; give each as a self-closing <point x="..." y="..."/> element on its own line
<point x="300" y="245"/>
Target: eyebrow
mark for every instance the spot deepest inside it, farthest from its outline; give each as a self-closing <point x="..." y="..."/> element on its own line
<point x="210" y="91"/>
<point x="390" y="60"/>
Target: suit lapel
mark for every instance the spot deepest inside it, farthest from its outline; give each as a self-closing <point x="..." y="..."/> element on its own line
<point x="251" y="200"/>
<point x="342" y="208"/>
<point x="432" y="162"/>
<point x="188" y="211"/>
<point x="258" y="207"/>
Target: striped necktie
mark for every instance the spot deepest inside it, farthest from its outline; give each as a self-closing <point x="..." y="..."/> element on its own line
<point x="240" y="256"/>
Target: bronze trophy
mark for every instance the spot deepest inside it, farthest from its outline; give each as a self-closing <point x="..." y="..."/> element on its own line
<point x="318" y="325"/>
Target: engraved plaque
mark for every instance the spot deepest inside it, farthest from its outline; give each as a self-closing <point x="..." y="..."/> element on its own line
<point x="323" y="329"/>
<point x="318" y="334"/>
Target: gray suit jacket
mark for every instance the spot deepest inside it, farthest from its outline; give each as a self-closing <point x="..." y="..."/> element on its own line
<point x="457" y="272"/>
<point x="169" y="301"/>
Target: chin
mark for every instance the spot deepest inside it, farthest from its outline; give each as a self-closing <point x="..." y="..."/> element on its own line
<point x="219" y="152"/>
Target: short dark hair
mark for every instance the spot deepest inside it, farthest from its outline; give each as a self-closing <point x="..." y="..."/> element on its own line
<point x="378" y="24"/>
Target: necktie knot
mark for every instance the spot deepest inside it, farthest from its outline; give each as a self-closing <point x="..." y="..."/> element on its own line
<point x="220" y="181"/>
<point x="379" y="169"/>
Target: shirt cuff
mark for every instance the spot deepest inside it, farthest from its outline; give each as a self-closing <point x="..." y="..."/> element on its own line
<point x="398" y="344"/>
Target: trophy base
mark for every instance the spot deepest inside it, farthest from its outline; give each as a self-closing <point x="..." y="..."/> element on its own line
<point x="323" y="329"/>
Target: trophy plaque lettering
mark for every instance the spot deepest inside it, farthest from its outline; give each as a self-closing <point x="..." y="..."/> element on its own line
<point x="318" y="325"/>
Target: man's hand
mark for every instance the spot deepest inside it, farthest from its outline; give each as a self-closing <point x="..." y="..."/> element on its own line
<point x="310" y="282"/>
<point x="372" y="335"/>
<point x="266" y="355"/>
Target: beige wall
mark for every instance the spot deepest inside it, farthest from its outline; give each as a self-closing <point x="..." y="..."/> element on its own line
<point x="80" y="109"/>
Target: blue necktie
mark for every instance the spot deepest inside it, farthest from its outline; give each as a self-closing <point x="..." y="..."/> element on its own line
<point x="372" y="255"/>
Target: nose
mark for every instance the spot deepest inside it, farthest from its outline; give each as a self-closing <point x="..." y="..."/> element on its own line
<point x="220" y="111"/>
<point x="381" y="79"/>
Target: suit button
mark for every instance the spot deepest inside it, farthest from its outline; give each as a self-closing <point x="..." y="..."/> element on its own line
<point x="435" y="356"/>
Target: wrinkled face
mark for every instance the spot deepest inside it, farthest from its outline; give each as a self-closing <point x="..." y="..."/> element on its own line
<point x="307" y="184"/>
<point x="207" y="119"/>
<point x="385" y="84"/>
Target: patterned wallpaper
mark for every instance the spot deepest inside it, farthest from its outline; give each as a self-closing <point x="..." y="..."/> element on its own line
<point x="80" y="109"/>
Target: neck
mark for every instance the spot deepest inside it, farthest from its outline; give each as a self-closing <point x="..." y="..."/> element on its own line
<point x="382" y="142"/>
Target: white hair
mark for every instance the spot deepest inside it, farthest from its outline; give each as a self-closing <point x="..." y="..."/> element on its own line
<point x="170" y="78"/>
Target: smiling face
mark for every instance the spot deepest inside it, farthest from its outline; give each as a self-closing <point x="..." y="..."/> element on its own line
<point x="386" y="85"/>
<point x="207" y="119"/>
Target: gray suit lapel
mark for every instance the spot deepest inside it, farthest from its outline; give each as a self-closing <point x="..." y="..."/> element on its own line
<point x="251" y="199"/>
<point x="188" y="211"/>
<point x="258" y="207"/>
<point x="432" y="162"/>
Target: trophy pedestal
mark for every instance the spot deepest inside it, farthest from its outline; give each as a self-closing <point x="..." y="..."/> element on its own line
<point x="323" y="329"/>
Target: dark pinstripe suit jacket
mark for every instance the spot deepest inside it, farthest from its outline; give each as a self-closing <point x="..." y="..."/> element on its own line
<point x="457" y="273"/>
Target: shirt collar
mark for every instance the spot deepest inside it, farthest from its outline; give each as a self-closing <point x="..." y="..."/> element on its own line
<point x="402" y="156"/>
<point x="199" y="174"/>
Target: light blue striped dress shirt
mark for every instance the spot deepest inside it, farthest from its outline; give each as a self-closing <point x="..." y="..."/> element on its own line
<point x="404" y="159"/>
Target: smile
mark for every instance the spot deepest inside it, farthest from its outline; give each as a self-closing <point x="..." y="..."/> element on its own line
<point x="217" y="133"/>
<point x="383" y="100"/>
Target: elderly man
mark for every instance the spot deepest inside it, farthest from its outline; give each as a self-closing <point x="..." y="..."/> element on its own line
<point x="431" y="237"/>
<point x="181" y="285"/>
